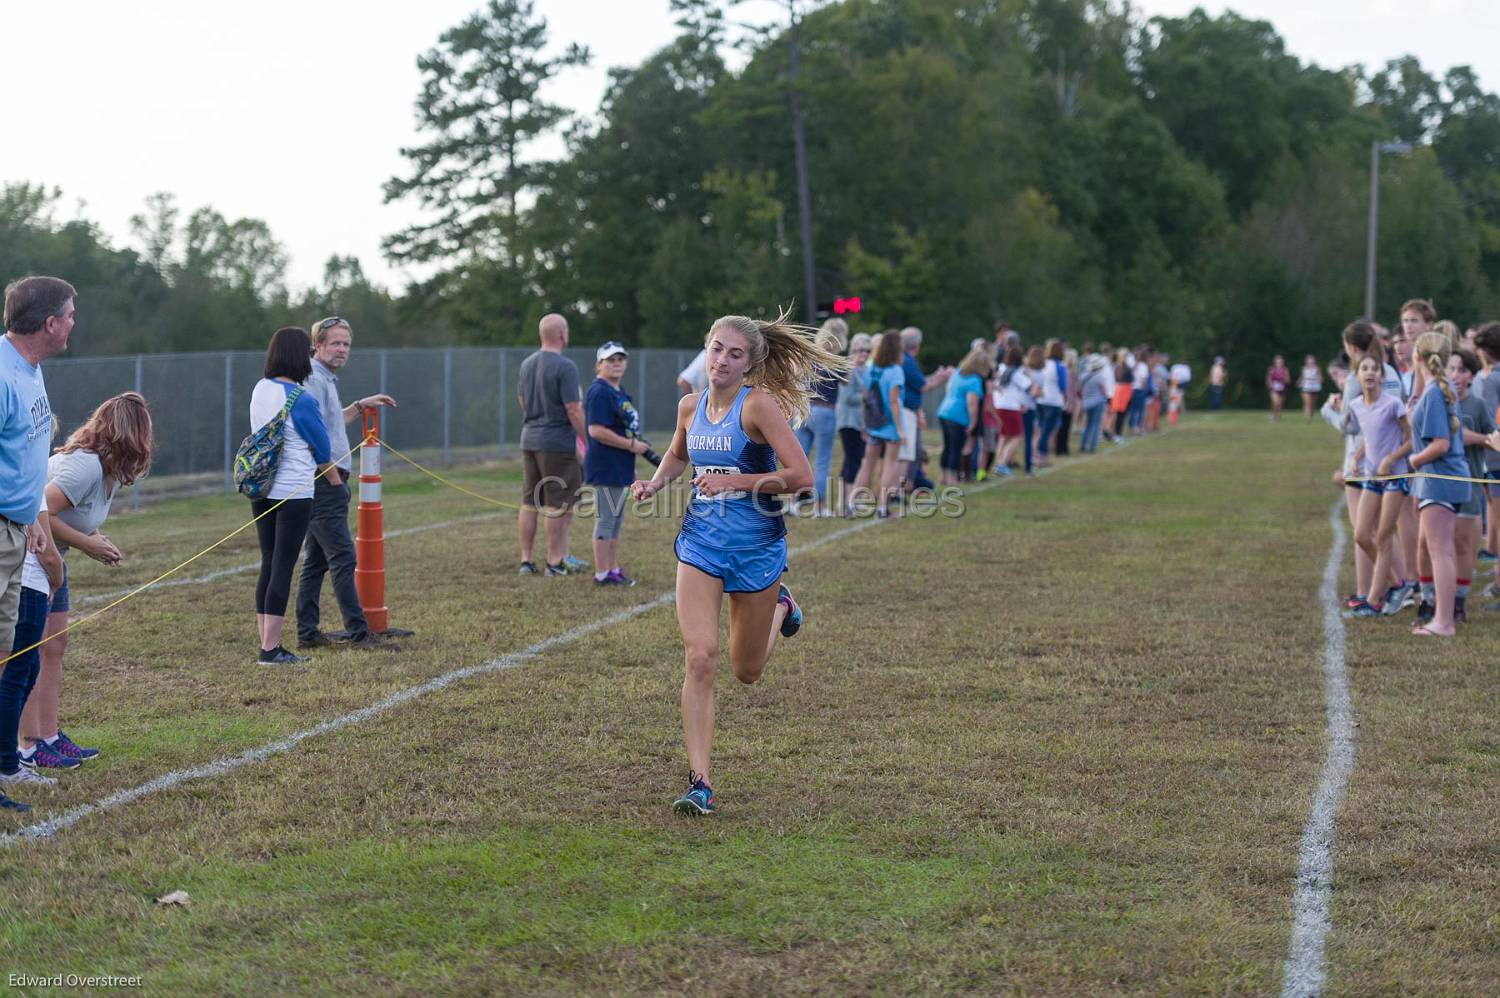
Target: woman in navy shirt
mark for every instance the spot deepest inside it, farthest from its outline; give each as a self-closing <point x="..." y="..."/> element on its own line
<point x="614" y="427"/>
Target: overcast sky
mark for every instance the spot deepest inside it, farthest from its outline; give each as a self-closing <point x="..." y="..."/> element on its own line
<point x="293" y="111"/>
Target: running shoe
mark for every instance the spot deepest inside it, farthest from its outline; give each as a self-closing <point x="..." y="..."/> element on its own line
<point x="792" y="623"/>
<point x="1412" y="598"/>
<point x="47" y="757"/>
<point x="1486" y="557"/>
<point x="24" y="775"/>
<point x="69" y="748"/>
<point x="6" y="804"/>
<point x="1363" y="610"/>
<point x="528" y="568"/>
<point x="699" y="798"/>
<point x="574" y="566"/>
<point x="1490" y="592"/>
<point x="561" y="568"/>
<point x="280" y="656"/>
<point x="615" y="577"/>
<point x="1425" y="612"/>
<point x="1396" y="597"/>
<point x="1353" y="600"/>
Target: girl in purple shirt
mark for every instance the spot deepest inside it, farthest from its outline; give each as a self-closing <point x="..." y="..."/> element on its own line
<point x="1385" y="440"/>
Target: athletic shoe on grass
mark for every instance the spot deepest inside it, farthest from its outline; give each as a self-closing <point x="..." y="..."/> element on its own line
<point x="47" y="757"/>
<point x="6" y="804"/>
<point x="699" y="798"/>
<point x="615" y="577"/>
<point x="561" y="568"/>
<point x="1396" y="597"/>
<point x="1486" y="557"/>
<point x="24" y="776"/>
<point x="1425" y="612"/>
<point x="528" y="568"/>
<point x="69" y="748"/>
<point x="792" y="623"/>
<point x="280" y="656"/>
<point x="574" y="566"/>
<point x="1353" y="600"/>
<point x="1363" y="610"/>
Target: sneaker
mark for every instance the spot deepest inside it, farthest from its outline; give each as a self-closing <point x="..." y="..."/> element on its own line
<point x="1396" y="597"/>
<point x="27" y="776"/>
<point x="699" y="798"/>
<point x="1363" y="610"/>
<point x="69" y="748"/>
<point x="1490" y="592"/>
<point x="1412" y="598"/>
<point x="6" y="804"/>
<point x="280" y="656"/>
<point x="615" y="578"/>
<point x="1425" y="612"/>
<point x="574" y="566"/>
<point x="317" y="640"/>
<point x="558" y="569"/>
<point x="792" y="623"/>
<point x="528" y="568"/>
<point x="46" y="756"/>
<point x="1353" y="600"/>
<point x="1486" y="557"/>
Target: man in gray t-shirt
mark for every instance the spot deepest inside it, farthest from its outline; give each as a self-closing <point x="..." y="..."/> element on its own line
<point x="552" y="423"/>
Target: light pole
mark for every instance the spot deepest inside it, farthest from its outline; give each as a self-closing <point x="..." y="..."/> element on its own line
<point x="1376" y="148"/>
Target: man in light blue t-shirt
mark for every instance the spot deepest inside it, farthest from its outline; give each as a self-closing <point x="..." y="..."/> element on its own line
<point x="38" y="317"/>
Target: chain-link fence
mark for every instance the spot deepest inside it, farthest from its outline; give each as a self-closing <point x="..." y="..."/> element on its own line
<point x="454" y="402"/>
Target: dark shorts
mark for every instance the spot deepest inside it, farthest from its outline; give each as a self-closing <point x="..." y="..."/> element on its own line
<point x="60" y="598"/>
<point x="550" y="479"/>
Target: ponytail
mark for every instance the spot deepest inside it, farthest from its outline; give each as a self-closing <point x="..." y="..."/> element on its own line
<point x="1433" y="350"/>
<point x="787" y="360"/>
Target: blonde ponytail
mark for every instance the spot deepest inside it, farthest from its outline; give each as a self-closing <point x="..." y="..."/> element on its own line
<point x="1433" y="350"/>
<point x="787" y="360"/>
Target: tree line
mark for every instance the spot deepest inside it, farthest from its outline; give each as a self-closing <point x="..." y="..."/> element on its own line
<point x="1061" y="164"/>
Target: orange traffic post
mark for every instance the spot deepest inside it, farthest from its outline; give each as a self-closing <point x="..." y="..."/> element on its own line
<point x="369" y="539"/>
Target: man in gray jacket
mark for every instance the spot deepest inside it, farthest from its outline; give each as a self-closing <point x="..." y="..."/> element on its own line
<point x="329" y="546"/>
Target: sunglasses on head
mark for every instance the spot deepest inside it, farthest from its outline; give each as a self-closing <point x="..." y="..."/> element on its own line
<point x="330" y="322"/>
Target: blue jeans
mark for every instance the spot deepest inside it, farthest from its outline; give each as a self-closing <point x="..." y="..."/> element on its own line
<point x="1028" y="426"/>
<point x="1215" y="396"/>
<point x="1092" y="417"/>
<point x="20" y="673"/>
<point x="1137" y="408"/>
<point x="1048" y="418"/>
<point x="816" y="438"/>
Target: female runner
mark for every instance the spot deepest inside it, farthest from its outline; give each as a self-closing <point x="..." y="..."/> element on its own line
<point x="733" y="536"/>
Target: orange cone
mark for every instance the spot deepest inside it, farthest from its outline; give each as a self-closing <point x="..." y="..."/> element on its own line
<point x="369" y="538"/>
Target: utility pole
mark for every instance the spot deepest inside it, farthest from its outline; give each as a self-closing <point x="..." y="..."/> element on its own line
<point x="799" y="146"/>
<point x="1376" y="148"/>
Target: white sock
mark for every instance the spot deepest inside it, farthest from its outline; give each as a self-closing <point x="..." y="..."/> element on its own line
<point x="50" y="741"/>
<point x="28" y="751"/>
<point x="600" y="576"/>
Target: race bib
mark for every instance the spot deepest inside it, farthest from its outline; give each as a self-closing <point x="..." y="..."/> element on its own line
<point x="719" y="469"/>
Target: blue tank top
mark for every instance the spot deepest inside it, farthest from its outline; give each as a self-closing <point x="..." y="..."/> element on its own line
<point x="730" y="521"/>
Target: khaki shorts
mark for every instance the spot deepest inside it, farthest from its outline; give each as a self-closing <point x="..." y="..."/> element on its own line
<point x="550" y="479"/>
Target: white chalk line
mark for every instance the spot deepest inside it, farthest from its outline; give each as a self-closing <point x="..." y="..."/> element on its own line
<point x="228" y="764"/>
<point x="1305" y="974"/>
<point x="225" y="573"/>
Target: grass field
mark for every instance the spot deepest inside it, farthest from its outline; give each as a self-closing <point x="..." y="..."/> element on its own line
<point x="1065" y="743"/>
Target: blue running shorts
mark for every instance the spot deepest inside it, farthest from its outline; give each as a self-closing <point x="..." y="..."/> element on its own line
<point x="743" y="571"/>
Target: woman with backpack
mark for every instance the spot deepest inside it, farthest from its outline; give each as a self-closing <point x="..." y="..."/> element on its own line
<point x="1012" y="389"/>
<point x="282" y="513"/>
<point x="883" y="416"/>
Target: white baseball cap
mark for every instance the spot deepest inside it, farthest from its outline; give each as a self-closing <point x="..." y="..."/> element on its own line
<point x="611" y="349"/>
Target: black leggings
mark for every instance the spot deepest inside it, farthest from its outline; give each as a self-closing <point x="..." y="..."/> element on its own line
<point x="281" y="534"/>
<point x="854" y="453"/>
<point x="954" y="435"/>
